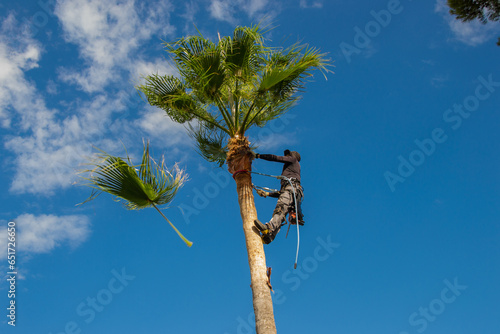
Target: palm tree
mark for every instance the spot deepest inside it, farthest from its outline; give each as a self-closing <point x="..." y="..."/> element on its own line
<point x="223" y="89"/>
<point x="150" y="185"/>
<point x="469" y="10"/>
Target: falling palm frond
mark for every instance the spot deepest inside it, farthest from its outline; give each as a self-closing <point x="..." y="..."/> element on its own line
<point x="150" y="184"/>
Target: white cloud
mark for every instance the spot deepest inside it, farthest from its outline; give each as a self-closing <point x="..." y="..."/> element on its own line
<point x="43" y="233"/>
<point x="189" y="17"/>
<point x="16" y="57"/>
<point x="50" y="144"/>
<point x="222" y="10"/>
<point x="108" y="34"/>
<point x="227" y="10"/>
<point x="143" y="68"/>
<point x="48" y="156"/>
<point x="439" y="80"/>
<point x="51" y="87"/>
<point x="274" y="141"/>
<point x="275" y="134"/>
<point x="19" y="100"/>
<point x="471" y="33"/>
<point x="156" y="124"/>
<point x="313" y="4"/>
<point x="52" y="149"/>
<point x="255" y="6"/>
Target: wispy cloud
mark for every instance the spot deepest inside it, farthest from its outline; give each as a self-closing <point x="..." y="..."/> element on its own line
<point x="22" y="107"/>
<point x="253" y="7"/>
<point x="228" y="10"/>
<point x="143" y="68"/>
<point x="108" y="35"/>
<point x="191" y="8"/>
<point x="439" y="80"/>
<point x="17" y="56"/>
<point x="43" y="233"/>
<point x="222" y="10"/>
<point x="276" y="141"/>
<point x="162" y="131"/>
<point x="311" y="4"/>
<point x="48" y="154"/>
<point x="471" y="33"/>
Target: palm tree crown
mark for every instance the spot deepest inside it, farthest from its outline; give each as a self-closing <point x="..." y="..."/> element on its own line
<point x="229" y="86"/>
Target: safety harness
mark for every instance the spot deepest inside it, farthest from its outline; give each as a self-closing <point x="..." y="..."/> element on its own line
<point x="280" y="177"/>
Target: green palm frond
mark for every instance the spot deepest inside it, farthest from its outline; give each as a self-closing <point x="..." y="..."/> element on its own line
<point x="244" y="52"/>
<point x="169" y="93"/>
<point x="271" y="112"/>
<point x="211" y="143"/>
<point x="287" y="71"/>
<point x="200" y="63"/>
<point x="150" y="184"/>
<point x="282" y="79"/>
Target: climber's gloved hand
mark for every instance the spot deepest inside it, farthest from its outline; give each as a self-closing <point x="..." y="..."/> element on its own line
<point x="262" y="193"/>
<point x="255" y="155"/>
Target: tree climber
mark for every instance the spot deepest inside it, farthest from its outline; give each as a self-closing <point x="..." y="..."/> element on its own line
<point x="286" y="203"/>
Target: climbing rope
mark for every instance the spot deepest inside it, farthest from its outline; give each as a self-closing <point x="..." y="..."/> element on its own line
<point x="264" y="188"/>
<point x="281" y="177"/>
<point x="296" y="221"/>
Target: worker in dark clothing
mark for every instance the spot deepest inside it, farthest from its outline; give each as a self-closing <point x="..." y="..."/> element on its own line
<point x="286" y="203"/>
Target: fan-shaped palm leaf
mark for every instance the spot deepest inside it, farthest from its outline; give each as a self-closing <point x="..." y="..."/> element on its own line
<point x="200" y="64"/>
<point x="244" y="52"/>
<point x="210" y="143"/>
<point x="150" y="184"/>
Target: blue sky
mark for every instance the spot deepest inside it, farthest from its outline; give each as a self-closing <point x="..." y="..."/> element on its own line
<point x="399" y="164"/>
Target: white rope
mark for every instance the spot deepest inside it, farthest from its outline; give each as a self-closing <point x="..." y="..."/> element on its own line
<point x="265" y="188"/>
<point x="281" y="177"/>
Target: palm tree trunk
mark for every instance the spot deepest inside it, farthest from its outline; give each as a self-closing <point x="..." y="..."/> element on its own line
<point x="262" y="301"/>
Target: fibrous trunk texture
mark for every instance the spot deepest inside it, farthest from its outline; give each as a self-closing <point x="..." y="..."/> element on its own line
<point x="239" y="159"/>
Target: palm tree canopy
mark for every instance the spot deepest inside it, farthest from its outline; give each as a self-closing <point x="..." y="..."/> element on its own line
<point x="149" y="184"/>
<point x="229" y="86"/>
